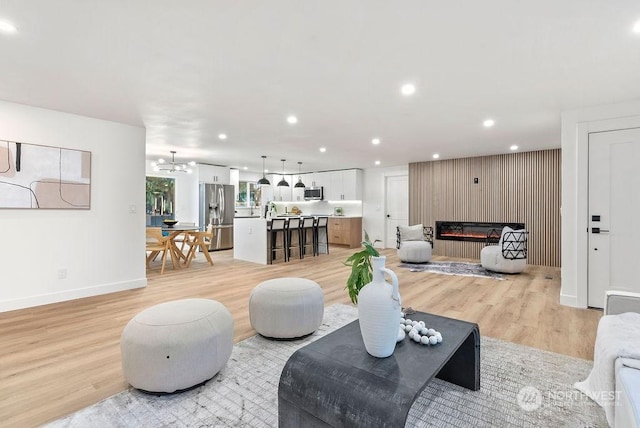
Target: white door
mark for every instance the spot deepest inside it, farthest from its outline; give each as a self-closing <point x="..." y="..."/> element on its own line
<point x="614" y="213"/>
<point x="397" y="206"/>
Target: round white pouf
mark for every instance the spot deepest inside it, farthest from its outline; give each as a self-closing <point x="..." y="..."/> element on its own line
<point x="176" y="345"/>
<point x="286" y="308"/>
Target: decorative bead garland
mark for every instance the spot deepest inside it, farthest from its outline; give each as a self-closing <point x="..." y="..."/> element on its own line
<point x="418" y="332"/>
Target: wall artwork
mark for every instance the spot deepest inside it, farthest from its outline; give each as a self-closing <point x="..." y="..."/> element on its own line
<point x="33" y="176"/>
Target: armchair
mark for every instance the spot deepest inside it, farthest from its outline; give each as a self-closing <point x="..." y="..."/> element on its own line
<point x="510" y="255"/>
<point x="414" y="243"/>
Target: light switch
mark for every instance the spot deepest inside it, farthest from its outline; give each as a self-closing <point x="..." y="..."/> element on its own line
<point x="132" y="209"/>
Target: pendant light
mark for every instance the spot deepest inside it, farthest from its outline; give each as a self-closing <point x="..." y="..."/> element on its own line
<point x="299" y="183"/>
<point x="263" y="181"/>
<point x="283" y="182"/>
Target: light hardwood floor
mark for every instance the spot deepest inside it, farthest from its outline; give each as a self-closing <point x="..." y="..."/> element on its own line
<point x="59" y="358"/>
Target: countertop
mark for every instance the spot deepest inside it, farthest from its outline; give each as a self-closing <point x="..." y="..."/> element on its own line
<point x="303" y="215"/>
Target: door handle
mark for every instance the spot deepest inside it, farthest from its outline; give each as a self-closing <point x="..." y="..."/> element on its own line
<point x="597" y="230"/>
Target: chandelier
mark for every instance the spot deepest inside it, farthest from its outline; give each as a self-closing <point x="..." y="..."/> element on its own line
<point x="172" y="166"/>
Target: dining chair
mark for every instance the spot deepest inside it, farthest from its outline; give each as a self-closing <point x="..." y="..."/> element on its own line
<point x="199" y="239"/>
<point x="183" y="237"/>
<point x="156" y="244"/>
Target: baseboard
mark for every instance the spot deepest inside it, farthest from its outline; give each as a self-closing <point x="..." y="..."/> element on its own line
<point x="569" y="301"/>
<point x="63" y="296"/>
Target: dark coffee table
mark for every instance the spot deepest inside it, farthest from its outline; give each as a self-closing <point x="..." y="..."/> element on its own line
<point x="335" y="382"/>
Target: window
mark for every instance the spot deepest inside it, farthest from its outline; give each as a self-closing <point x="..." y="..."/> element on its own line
<point x="247" y="194"/>
<point x="160" y="200"/>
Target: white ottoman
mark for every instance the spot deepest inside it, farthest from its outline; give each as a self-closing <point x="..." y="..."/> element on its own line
<point x="176" y="345"/>
<point x="286" y="308"/>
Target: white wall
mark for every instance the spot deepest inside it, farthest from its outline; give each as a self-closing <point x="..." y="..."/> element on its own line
<point x="576" y="126"/>
<point x="373" y="206"/>
<point x="102" y="249"/>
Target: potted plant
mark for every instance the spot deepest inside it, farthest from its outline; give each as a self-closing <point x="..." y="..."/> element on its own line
<point x="361" y="268"/>
<point x="379" y="305"/>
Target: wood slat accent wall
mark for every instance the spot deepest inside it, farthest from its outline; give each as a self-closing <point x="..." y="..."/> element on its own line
<point x="514" y="187"/>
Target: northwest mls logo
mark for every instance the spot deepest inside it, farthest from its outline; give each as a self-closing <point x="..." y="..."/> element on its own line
<point x="529" y="398"/>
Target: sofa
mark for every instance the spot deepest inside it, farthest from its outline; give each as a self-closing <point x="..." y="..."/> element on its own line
<point x="627" y="412"/>
<point x="614" y="381"/>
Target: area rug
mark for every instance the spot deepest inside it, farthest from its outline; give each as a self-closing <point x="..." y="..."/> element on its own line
<point x="520" y="387"/>
<point x="452" y="268"/>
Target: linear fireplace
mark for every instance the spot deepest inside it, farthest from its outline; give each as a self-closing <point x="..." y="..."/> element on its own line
<point x="471" y="231"/>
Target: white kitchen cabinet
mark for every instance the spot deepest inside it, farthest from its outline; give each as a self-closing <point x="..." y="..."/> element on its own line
<point x="281" y="193"/>
<point x="213" y="174"/>
<point x="297" y="193"/>
<point x="314" y="179"/>
<point x="345" y="185"/>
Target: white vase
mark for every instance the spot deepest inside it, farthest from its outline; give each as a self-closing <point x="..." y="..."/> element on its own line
<point x="379" y="311"/>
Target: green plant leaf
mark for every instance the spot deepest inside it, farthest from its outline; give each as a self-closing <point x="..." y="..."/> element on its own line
<point x="361" y="268"/>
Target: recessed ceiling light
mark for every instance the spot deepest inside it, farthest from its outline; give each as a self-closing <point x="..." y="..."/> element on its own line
<point x="245" y="168"/>
<point x="514" y="147"/>
<point x="436" y="156"/>
<point x="192" y="163"/>
<point x="323" y="149"/>
<point x="636" y="27"/>
<point x="489" y="123"/>
<point x="408" y="89"/>
<point x="266" y="170"/>
<point x="7" y="27"/>
<point x="222" y="136"/>
<point x="377" y="162"/>
<point x="375" y="141"/>
<point x="292" y="119"/>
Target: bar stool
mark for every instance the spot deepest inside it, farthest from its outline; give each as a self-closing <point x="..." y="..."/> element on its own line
<point x="277" y="227"/>
<point x="321" y="225"/>
<point x="294" y="241"/>
<point x="307" y="228"/>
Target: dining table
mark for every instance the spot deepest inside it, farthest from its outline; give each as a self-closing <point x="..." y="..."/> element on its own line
<point x="172" y="232"/>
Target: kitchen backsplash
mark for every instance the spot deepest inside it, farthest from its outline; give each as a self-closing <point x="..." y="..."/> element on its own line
<point x="349" y="208"/>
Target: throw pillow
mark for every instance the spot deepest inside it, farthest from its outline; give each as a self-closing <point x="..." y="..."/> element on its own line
<point x="505" y="230"/>
<point x="411" y="233"/>
<point x="518" y="235"/>
<point x="521" y="236"/>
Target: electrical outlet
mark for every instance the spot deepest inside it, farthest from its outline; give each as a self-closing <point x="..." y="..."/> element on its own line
<point x="132" y="209"/>
<point x="62" y="274"/>
<point x="250" y="230"/>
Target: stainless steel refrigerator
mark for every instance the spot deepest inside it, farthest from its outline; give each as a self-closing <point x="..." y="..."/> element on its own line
<point x="217" y="208"/>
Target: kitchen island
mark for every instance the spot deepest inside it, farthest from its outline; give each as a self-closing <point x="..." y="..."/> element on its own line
<point x="250" y="239"/>
<point x="251" y="243"/>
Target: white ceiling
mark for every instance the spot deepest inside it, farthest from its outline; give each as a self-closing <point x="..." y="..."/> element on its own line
<point x="189" y="70"/>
